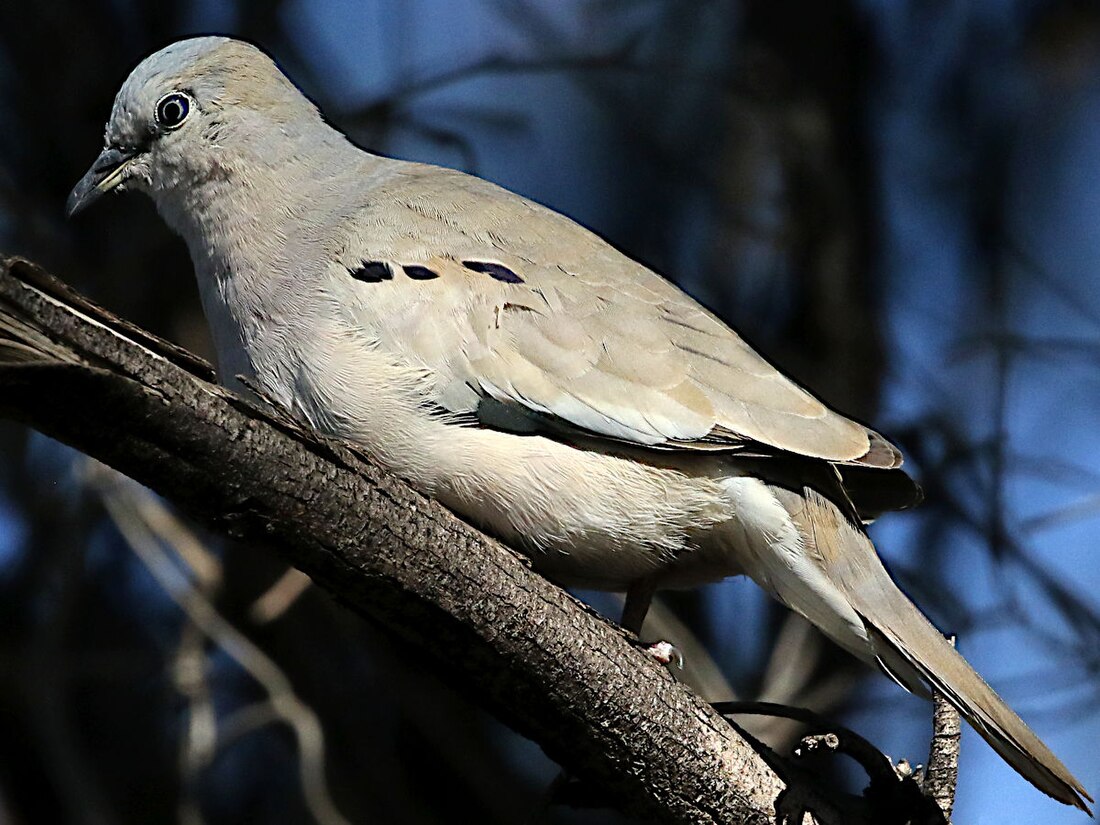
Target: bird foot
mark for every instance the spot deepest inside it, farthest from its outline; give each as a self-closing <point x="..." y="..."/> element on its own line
<point x="665" y="653"/>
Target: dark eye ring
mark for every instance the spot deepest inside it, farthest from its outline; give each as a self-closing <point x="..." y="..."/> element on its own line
<point x="172" y="110"/>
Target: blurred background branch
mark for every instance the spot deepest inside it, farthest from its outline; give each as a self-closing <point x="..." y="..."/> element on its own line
<point x="146" y="526"/>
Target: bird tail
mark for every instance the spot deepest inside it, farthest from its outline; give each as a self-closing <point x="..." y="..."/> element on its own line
<point x="915" y="654"/>
<point x="918" y="654"/>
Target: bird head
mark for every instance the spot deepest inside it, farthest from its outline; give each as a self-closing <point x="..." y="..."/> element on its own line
<point x="193" y="112"/>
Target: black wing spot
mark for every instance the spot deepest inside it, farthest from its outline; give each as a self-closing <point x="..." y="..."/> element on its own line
<point x="420" y="273"/>
<point x="498" y="271"/>
<point x="372" y="272"/>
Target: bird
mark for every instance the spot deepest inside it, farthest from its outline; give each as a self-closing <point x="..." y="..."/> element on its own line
<point x="518" y="368"/>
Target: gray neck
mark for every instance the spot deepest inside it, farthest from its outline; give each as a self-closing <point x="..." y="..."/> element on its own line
<point x="261" y="223"/>
<point x="248" y="203"/>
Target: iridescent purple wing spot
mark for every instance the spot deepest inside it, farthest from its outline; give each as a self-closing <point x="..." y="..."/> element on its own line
<point x="498" y="271"/>
<point x="371" y="272"/>
<point x="420" y="273"/>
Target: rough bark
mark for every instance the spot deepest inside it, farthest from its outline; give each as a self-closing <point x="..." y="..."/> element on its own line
<point x="542" y="661"/>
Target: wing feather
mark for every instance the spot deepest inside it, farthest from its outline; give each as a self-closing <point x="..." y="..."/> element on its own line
<point x="582" y="337"/>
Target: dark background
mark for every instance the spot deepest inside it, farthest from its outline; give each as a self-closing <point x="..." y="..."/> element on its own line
<point x="896" y="201"/>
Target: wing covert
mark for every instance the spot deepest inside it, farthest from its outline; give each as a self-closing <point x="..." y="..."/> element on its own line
<point x="541" y="317"/>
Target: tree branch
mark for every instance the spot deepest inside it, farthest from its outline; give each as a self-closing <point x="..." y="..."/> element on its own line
<point x="942" y="774"/>
<point x="542" y="661"/>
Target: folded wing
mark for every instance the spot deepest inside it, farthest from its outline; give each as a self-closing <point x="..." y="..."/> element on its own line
<point x="527" y="320"/>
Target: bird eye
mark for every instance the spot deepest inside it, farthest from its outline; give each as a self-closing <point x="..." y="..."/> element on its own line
<point x="172" y="110"/>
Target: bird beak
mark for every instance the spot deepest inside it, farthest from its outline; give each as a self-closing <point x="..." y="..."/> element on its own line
<point x="106" y="173"/>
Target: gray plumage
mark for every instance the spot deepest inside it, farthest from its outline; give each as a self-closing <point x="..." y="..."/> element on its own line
<point x="515" y="366"/>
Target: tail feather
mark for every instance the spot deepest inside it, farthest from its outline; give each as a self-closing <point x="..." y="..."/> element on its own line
<point x="950" y="674"/>
<point x="913" y="652"/>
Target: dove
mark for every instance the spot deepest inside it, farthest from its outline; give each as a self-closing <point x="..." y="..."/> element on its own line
<point x="519" y="369"/>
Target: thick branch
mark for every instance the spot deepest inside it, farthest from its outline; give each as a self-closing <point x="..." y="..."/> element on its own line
<point x="539" y="659"/>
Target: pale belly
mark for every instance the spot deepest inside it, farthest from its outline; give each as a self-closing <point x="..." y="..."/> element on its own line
<point x="586" y="517"/>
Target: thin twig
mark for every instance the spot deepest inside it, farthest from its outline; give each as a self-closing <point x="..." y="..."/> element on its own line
<point x="285" y="704"/>
<point x="279" y="598"/>
<point x="893" y="794"/>
<point x="199" y="742"/>
<point x="942" y="776"/>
